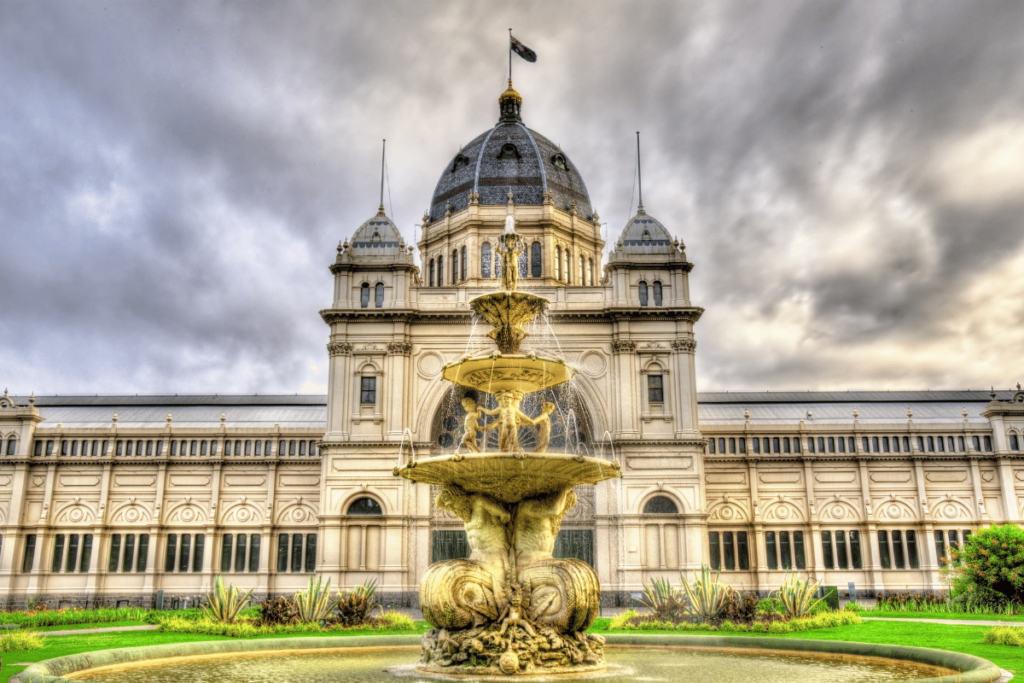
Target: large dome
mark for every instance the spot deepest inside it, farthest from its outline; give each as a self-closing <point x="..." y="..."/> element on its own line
<point x="510" y="157"/>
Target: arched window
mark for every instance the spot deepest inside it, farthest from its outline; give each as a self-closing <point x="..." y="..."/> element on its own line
<point x="590" y="271"/>
<point x="432" y="266"/>
<point x="558" y="263"/>
<point x="646" y="237"/>
<point x="365" y="506"/>
<point x="524" y="265"/>
<point x="642" y="289"/>
<point x="378" y="295"/>
<point x="12" y="446"/>
<point x="509" y="151"/>
<point x="364" y="295"/>
<point x="497" y="263"/>
<point x="463" y="272"/>
<point x="485" y="260"/>
<point x="535" y="262"/>
<point x="440" y="271"/>
<point x="583" y="271"/>
<point x="567" y="267"/>
<point x="657" y="293"/>
<point x="455" y="266"/>
<point x="661" y="505"/>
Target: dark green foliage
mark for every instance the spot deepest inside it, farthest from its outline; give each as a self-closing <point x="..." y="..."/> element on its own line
<point x="354" y="606"/>
<point x="664" y="602"/>
<point x="741" y="609"/>
<point x="988" y="569"/>
<point x="278" y="612"/>
<point x="830" y="596"/>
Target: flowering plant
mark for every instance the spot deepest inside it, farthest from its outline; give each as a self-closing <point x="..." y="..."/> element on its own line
<point x="989" y="566"/>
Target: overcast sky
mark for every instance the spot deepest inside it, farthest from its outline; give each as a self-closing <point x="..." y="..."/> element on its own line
<point x="848" y="178"/>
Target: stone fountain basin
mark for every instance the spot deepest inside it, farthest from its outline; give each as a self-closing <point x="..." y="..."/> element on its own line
<point x="499" y="372"/>
<point x="509" y="477"/>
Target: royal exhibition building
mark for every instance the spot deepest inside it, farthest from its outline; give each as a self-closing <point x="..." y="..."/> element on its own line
<point x="143" y="500"/>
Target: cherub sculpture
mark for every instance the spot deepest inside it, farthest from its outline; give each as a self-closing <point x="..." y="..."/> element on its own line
<point x="471" y="423"/>
<point x="543" y="424"/>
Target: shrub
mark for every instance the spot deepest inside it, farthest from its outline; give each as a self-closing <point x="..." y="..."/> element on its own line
<point x="770" y="605"/>
<point x="663" y="601"/>
<point x="224" y="604"/>
<point x="1005" y="635"/>
<point x="853" y="606"/>
<point x="354" y="606"/>
<point x="396" y="621"/>
<point x="314" y="604"/>
<point x="780" y="627"/>
<point x="829" y="597"/>
<point x="989" y="566"/>
<point x="20" y="640"/>
<point x="279" y="611"/>
<point x="742" y="609"/>
<point x="706" y="596"/>
<point x="797" y="596"/>
<point x="620" y="622"/>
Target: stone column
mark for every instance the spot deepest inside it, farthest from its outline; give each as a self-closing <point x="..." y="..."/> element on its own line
<point x="981" y="514"/>
<point x="1008" y="490"/>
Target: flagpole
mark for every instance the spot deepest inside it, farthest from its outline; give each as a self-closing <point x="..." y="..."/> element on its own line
<point x="639" y="174"/>
<point x="510" y="55"/>
<point x="382" y="150"/>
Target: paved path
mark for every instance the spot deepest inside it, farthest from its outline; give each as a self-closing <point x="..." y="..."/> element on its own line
<point x="956" y="622"/>
<point x="110" y="629"/>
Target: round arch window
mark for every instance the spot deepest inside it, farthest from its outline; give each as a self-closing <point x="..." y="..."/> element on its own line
<point x="660" y="505"/>
<point x="365" y="506"/>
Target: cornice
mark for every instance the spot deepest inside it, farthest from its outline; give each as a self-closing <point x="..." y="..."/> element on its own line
<point x="350" y="266"/>
<point x="340" y="315"/>
<point x="689" y="314"/>
<point x="684" y="266"/>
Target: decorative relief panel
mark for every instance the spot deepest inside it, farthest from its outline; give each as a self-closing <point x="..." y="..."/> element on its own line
<point x="242" y="511"/>
<point x="951" y="508"/>
<point x="298" y="511"/>
<point x="1018" y="475"/>
<point x="187" y="511"/>
<point x="894" y="509"/>
<point x="890" y="476"/>
<point x="593" y="364"/>
<point x="836" y="477"/>
<point x="245" y="479"/>
<point x="190" y="480"/>
<point x="76" y="480"/>
<point x="75" y="512"/>
<point x="726" y="477"/>
<point x="838" y="509"/>
<point x="779" y="477"/>
<point x="988" y="476"/>
<point x="429" y="364"/>
<point x="946" y="476"/>
<point x="728" y="511"/>
<point x="134" y="480"/>
<point x="783" y="510"/>
<point x="298" y="480"/>
<point x="130" y="512"/>
<point x="39" y="479"/>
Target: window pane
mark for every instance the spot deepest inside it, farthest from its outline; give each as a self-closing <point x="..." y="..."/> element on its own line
<point x="954" y="539"/>
<point x="743" y="444"/>
<point x="58" y="553"/>
<point x="940" y="547"/>
<point x="83" y="566"/>
<point x="185" y="552"/>
<point x="657" y="293"/>
<point x="827" y="557"/>
<point x="912" y="558"/>
<point x="226" y="545"/>
<point x="799" y="558"/>
<point x="128" y="561"/>
<point x="787" y="555"/>
<point x="729" y="550"/>
<point x="642" y="290"/>
<point x="197" y="559"/>
<point x="282" y="553"/>
<point x="842" y="559"/>
<point x="30" y="554"/>
<point x="448" y="545"/>
<point x="535" y="259"/>
<point x="364" y="295"/>
<point x="365" y="506"/>
<point x="883" y="550"/>
<point x="296" y="552"/>
<point x="775" y="445"/>
<point x="655" y="389"/>
<point x="240" y="553"/>
<point x="485" y="262"/>
<point x="254" y="553"/>
<point x="310" y="552"/>
<point x="742" y="554"/>
<point x="898" y="561"/>
<point x="659" y="505"/>
<point x="72" y="552"/>
<point x="770" y="553"/>
<point x="855" y="560"/>
<point x="143" y="562"/>
<point x="714" y="548"/>
<point x="368" y="390"/>
<point x="172" y="546"/>
<point x="378" y="295"/>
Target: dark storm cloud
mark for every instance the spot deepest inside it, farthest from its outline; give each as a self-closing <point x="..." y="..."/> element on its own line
<point x="174" y="176"/>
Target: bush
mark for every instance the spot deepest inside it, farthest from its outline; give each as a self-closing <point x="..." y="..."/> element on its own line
<point x="172" y="623"/>
<point x="989" y="566"/>
<point x="622" y="620"/>
<point x="797" y="596"/>
<point x="314" y="604"/>
<point x="853" y="606"/>
<point x="780" y="627"/>
<point x="225" y="603"/>
<point x="1005" y="635"/>
<point x="354" y="606"/>
<point x="396" y="621"/>
<point x="770" y="605"/>
<point x="706" y="596"/>
<point x="663" y="601"/>
<point x="280" y="611"/>
<point x="829" y="596"/>
<point x="741" y="609"/>
<point x="20" y="640"/>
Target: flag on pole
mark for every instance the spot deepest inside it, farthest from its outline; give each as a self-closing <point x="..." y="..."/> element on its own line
<point x="521" y="50"/>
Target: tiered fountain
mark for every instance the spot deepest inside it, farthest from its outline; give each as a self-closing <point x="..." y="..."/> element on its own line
<point x="511" y="608"/>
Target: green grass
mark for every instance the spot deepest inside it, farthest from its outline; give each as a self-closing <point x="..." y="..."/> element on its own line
<point x="78" y="627"/>
<point x="965" y="616"/>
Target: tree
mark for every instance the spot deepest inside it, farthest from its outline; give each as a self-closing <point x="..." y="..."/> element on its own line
<point x="989" y="567"/>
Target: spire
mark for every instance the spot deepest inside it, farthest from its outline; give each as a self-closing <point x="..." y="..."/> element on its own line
<point x="639" y="175"/>
<point x="383" y="148"/>
<point x="509" y="105"/>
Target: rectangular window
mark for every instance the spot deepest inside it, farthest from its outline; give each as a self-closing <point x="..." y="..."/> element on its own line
<point x="282" y="553"/>
<point x="655" y="389"/>
<point x="58" y="553"/>
<point x="254" y="553"/>
<point x="912" y="558"/>
<point x="72" y="562"/>
<point x="172" y="551"/>
<point x="367" y="390"/>
<point x="296" y="552"/>
<point x="841" y="557"/>
<point x="448" y="545"/>
<point x="143" y="561"/>
<point x="729" y="550"/>
<point x="798" y="550"/>
<point x="828" y="558"/>
<point x="855" y="560"/>
<point x="197" y="556"/>
<point x="83" y="566"/>
<point x="240" y="553"/>
<point x="30" y="554"/>
<point x="883" y="550"/>
<point x="954" y="540"/>
<point x="575" y="543"/>
<point x="771" y="555"/>
<point x="115" y="553"/>
<point x="898" y="560"/>
<point x="742" y="553"/>
<point x="715" y="548"/>
<point x="129" y="553"/>
<point x="311" y="552"/>
<point x="185" y="552"/>
<point x="785" y="550"/>
<point x="227" y="543"/>
<point x="940" y="547"/>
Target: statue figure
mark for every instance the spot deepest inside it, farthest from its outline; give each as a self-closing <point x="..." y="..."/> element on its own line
<point x="509" y="419"/>
<point x="537" y="524"/>
<point x="513" y="247"/>
<point x="484" y="519"/>
<point x="471" y="423"/>
<point x="543" y="424"/>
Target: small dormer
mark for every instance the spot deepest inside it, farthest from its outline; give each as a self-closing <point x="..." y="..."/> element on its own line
<point x="365" y="270"/>
<point x="648" y="267"/>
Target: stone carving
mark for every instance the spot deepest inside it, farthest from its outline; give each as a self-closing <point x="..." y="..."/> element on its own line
<point x="187" y="512"/>
<point x="75" y="512"/>
<point x="893" y="508"/>
<point x="131" y="512"/>
<point x="242" y="512"/>
<point x="839" y="510"/>
<point x="951" y="508"/>
<point x="782" y="510"/>
<point x="339" y="349"/>
<point x="399" y="348"/>
<point x="624" y="346"/>
<point x="684" y="345"/>
<point x="727" y="510"/>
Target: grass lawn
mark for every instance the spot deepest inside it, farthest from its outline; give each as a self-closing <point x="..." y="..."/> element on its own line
<point x="1008" y="618"/>
<point x="967" y="639"/>
<point x="76" y="627"/>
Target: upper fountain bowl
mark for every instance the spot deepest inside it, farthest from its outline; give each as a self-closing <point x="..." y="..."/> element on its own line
<point x="497" y="373"/>
<point x="508" y="313"/>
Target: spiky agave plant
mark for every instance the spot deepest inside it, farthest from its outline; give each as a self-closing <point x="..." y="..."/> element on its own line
<point x="797" y="595"/>
<point x="314" y="603"/>
<point x="706" y="595"/>
<point x="224" y="603"/>
<point x="354" y="606"/>
<point x="664" y="601"/>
